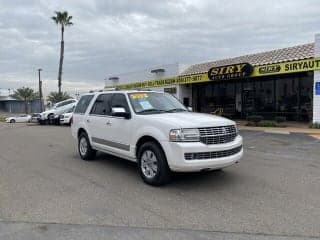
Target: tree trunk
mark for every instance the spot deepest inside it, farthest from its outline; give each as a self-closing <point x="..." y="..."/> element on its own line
<point x="26" y="106"/>
<point x="61" y="59"/>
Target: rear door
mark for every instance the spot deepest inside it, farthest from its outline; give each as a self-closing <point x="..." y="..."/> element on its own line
<point x="79" y="113"/>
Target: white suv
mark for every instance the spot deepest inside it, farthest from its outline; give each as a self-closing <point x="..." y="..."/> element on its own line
<point x="59" y="108"/>
<point x="155" y="130"/>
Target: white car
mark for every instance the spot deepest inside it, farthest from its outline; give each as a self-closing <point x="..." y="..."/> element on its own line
<point x="65" y="118"/>
<point x="59" y="108"/>
<point x="155" y="130"/>
<point x="23" y="118"/>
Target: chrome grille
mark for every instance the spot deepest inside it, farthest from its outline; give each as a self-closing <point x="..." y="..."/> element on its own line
<point x="211" y="155"/>
<point x="218" y="135"/>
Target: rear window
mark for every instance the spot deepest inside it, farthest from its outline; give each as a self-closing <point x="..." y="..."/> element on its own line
<point x="83" y="104"/>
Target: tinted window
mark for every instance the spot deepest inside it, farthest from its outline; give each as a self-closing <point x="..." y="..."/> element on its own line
<point x="83" y="104"/>
<point x="102" y="105"/>
<point x="119" y="100"/>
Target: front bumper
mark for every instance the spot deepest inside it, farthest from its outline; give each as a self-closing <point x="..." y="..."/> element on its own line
<point x="175" y="153"/>
<point x="35" y="119"/>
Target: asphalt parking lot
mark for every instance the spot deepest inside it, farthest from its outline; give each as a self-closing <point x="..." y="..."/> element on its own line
<point x="46" y="190"/>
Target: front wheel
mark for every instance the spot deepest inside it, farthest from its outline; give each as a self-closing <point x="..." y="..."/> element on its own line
<point x="152" y="163"/>
<point x="12" y="121"/>
<point x="85" y="150"/>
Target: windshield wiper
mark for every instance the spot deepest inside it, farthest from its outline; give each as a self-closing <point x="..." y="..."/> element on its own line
<point x="176" y="110"/>
<point x="152" y="110"/>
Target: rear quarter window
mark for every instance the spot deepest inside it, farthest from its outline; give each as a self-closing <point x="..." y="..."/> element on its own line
<point x="83" y="104"/>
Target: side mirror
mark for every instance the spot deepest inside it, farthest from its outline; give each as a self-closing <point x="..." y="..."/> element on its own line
<point x="120" y="112"/>
<point x="189" y="109"/>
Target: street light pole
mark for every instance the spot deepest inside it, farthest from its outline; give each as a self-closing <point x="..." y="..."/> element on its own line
<point x="40" y="89"/>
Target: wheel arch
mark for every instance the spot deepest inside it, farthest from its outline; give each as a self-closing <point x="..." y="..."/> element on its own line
<point x="81" y="130"/>
<point x="144" y="139"/>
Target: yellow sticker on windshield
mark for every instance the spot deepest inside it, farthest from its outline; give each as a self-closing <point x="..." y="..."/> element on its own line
<point x="138" y="95"/>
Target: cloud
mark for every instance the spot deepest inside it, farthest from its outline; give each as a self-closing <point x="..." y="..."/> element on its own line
<point x="119" y="36"/>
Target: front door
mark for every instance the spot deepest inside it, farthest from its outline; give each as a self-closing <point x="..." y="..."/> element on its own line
<point x="97" y="122"/>
<point x="120" y="128"/>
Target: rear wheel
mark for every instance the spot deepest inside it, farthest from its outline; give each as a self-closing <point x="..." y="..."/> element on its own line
<point x="152" y="163"/>
<point x="85" y="150"/>
<point x="50" y="119"/>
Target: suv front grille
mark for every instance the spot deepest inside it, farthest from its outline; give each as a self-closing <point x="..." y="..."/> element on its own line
<point x="218" y="135"/>
<point x="211" y="155"/>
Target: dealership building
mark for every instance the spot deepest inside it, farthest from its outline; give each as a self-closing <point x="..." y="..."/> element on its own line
<point x="282" y="82"/>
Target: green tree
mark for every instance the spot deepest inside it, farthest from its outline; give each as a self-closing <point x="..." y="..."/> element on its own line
<point x="63" y="19"/>
<point x="55" y="97"/>
<point x="26" y="94"/>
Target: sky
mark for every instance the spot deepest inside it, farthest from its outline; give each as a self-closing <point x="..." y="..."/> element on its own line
<point x="111" y="37"/>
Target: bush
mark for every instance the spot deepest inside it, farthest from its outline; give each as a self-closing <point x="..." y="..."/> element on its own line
<point x="2" y="118"/>
<point x="268" y="123"/>
<point x="314" y="125"/>
<point x="255" y="118"/>
<point x="280" y="119"/>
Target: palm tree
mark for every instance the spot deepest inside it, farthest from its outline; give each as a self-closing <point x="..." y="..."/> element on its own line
<point x="55" y="97"/>
<point x="63" y="19"/>
<point x="26" y="94"/>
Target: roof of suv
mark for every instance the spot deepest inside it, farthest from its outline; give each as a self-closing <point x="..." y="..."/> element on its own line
<point x="120" y="91"/>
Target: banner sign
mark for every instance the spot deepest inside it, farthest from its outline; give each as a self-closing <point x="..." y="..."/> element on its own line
<point x="287" y="67"/>
<point x="235" y="71"/>
<point x="195" y="78"/>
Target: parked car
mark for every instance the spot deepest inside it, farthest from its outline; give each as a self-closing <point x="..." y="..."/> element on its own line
<point x="65" y="119"/>
<point x="155" y="130"/>
<point x="51" y="116"/>
<point x="23" y="118"/>
<point x="35" y="117"/>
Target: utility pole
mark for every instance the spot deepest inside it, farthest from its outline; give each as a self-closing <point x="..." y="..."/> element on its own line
<point x="40" y="89"/>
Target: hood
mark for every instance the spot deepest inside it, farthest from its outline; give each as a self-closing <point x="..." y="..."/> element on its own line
<point x="67" y="114"/>
<point x="46" y="112"/>
<point x="191" y="119"/>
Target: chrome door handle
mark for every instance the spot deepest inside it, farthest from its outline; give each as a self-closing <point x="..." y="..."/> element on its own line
<point x="108" y="123"/>
<point x="88" y="120"/>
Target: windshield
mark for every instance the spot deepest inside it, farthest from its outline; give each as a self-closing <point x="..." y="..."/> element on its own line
<point x="154" y="103"/>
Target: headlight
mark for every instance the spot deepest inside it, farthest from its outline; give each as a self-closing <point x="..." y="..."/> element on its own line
<point x="184" y="135"/>
<point x="237" y="128"/>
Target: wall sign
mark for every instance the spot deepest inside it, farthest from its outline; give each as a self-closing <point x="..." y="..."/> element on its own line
<point x="240" y="70"/>
<point x="317" y="88"/>
<point x="287" y="67"/>
<point x="229" y="72"/>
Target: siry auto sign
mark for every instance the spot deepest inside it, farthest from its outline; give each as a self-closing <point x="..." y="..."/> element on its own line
<point x="230" y="71"/>
<point x="234" y="71"/>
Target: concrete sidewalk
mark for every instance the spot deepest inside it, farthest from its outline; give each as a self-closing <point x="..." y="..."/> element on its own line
<point x="291" y="127"/>
<point x="54" y="231"/>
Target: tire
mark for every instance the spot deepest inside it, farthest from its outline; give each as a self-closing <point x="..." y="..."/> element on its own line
<point x="153" y="165"/>
<point x="12" y="121"/>
<point x="84" y="147"/>
<point x="50" y="119"/>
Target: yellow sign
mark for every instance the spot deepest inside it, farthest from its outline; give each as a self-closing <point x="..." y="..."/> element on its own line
<point x="139" y="95"/>
<point x="258" y="71"/>
<point x="287" y="67"/>
<point x="195" y="78"/>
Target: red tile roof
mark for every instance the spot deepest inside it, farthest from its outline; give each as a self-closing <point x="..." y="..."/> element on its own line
<point x="275" y="56"/>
